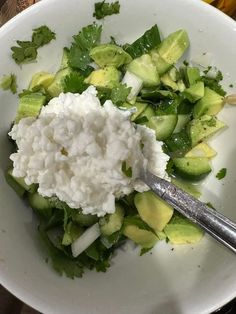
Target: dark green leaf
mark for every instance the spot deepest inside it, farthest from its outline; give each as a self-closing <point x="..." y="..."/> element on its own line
<point x="74" y="83"/>
<point x="119" y="94"/>
<point x="102" y="9"/>
<point x="221" y="174"/>
<point x="178" y="144"/>
<point x="141" y="120"/>
<point x="79" y="58"/>
<point x="148" y="41"/>
<point x="214" y="82"/>
<point x="209" y="204"/>
<point x="145" y="250"/>
<point x="168" y="106"/>
<point x="42" y="36"/>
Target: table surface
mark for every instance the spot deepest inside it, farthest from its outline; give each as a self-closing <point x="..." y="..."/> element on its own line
<point x="8" y="303"/>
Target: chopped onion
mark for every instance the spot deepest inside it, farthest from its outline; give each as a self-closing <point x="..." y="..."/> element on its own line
<point x="133" y="81"/>
<point x="85" y="240"/>
<point x="230" y="99"/>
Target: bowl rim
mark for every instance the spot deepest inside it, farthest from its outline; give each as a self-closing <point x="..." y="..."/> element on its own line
<point x="11" y="285"/>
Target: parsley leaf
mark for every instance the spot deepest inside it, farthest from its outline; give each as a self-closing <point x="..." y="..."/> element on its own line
<point x="8" y="82"/>
<point x="74" y="83"/>
<point x="221" y="174"/>
<point x="102" y="9"/>
<point x="87" y="38"/>
<point x="26" y="51"/>
<point x="148" y="41"/>
<point x="126" y="170"/>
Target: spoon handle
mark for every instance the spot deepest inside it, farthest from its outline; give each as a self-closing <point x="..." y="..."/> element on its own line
<point x="216" y="224"/>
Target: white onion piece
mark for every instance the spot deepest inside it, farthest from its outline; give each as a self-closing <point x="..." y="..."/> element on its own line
<point x="85" y="240"/>
<point x="133" y="81"/>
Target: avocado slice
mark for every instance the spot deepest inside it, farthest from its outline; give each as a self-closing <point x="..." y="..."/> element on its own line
<point x="201" y="150"/>
<point x="113" y="222"/>
<point x="194" y="92"/>
<point x="107" y="77"/>
<point x="41" y="78"/>
<point x="161" y="65"/>
<point x="109" y="55"/>
<point x="182" y="231"/>
<point x="145" y="69"/>
<point x="192" y="168"/>
<point x="174" y="46"/>
<point x="144" y="238"/>
<point x="210" y="104"/>
<point x="153" y="210"/>
<point x="202" y="128"/>
<point x="191" y="75"/>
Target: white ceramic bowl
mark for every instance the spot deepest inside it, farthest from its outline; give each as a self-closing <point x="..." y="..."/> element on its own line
<point x="191" y="279"/>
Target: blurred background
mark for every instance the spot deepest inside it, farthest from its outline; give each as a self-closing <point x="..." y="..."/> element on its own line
<point x="9" y="8"/>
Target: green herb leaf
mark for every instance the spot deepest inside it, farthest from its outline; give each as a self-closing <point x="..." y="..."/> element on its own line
<point x="148" y="41"/>
<point x="126" y="170"/>
<point x="8" y="82"/>
<point x="145" y="250"/>
<point x="42" y="36"/>
<point x="141" y="120"/>
<point x="221" y="174"/>
<point x="119" y="94"/>
<point x="102" y="9"/>
<point x="214" y="82"/>
<point x="87" y="38"/>
<point x="74" y="83"/>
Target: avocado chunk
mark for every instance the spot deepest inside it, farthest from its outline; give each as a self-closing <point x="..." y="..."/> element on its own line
<point x="107" y="77"/>
<point x="110" y="55"/>
<point x="210" y="104"/>
<point x="30" y="106"/>
<point x="163" y="125"/>
<point x="144" y="238"/>
<point x="153" y="210"/>
<point x="43" y="79"/>
<point x="192" y="168"/>
<point x="202" y="128"/>
<point x="187" y="187"/>
<point x="145" y="69"/>
<point x="56" y="87"/>
<point x="182" y="231"/>
<point x="174" y="46"/>
<point x="113" y="222"/>
<point x="194" y="92"/>
<point x="161" y="65"/>
<point x="201" y="150"/>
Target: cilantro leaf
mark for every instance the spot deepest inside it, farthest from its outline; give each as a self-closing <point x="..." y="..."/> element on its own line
<point x="221" y="174"/>
<point x="102" y="9"/>
<point x="86" y="39"/>
<point x="144" y="250"/>
<point x="8" y="82"/>
<point x="26" y="51"/>
<point x="126" y="170"/>
<point x="148" y="41"/>
<point x="42" y="36"/>
<point x="74" y="83"/>
<point x="214" y="82"/>
<point x="119" y="94"/>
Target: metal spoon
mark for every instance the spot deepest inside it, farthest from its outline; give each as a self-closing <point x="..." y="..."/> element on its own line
<point x="216" y="224"/>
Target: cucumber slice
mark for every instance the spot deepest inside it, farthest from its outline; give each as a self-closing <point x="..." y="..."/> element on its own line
<point x="113" y="222"/>
<point x="140" y="106"/>
<point x="163" y="125"/>
<point x="183" y="119"/>
<point x="14" y="185"/>
<point x="20" y="182"/>
<point x="40" y="204"/>
<point x="56" y="87"/>
<point x="85" y="220"/>
<point x="192" y="168"/>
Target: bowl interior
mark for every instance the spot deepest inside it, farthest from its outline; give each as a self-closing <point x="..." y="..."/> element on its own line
<point x="196" y="279"/>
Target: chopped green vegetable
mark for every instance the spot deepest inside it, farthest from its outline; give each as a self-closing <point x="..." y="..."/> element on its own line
<point x="214" y="83"/>
<point x="221" y="174"/>
<point x="119" y="94"/>
<point x="126" y="170"/>
<point x="8" y="82"/>
<point x="74" y="83"/>
<point x="84" y="41"/>
<point x="26" y="51"/>
<point x="102" y="9"/>
<point x="148" y="41"/>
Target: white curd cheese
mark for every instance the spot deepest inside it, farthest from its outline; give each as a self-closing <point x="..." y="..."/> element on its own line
<point x="75" y="150"/>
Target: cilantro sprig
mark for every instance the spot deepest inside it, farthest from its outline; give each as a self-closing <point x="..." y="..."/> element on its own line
<point x="102" y="9"/>
<point x="27" y="51"/>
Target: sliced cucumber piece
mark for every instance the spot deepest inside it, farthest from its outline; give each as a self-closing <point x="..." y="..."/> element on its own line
<point x="113" y="222"/>
<point x="85" y="220"/>
<point x="56" y="87"/>
<point x="194" y="92"/>
<point x="163" y="125"/>
<point x="140" y="107"/>
<point x="183" y="119"/>
<point x="192" y="168"/>
<point x="40" y="204"/>
<point x="153" y="210"/>
<point x="161" y="65"/>
<point x="14" y="185"/>
<point x="32" y="188"/>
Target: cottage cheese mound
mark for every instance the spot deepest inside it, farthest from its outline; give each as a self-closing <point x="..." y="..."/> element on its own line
<point x="75" y="150"/>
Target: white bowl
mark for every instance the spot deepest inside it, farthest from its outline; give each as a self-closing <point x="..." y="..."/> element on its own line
<point x="191" y="279"/>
